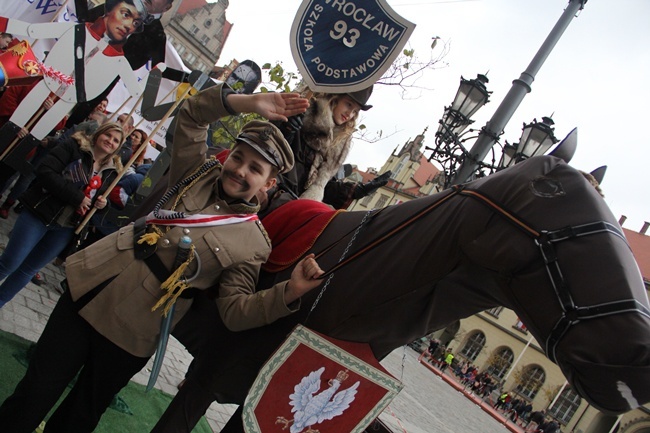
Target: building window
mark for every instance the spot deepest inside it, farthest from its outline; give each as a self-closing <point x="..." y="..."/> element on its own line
<point x="494" y="311"/>
<point x="190" y="58"/>
<point x="180" y="49"/>
<point x="207" y="23"/>
<point x="500" y="362"/>
<point x="399" y="167"/>
<point x="366" y="200"/>
<point x="383" y="199"/>
<point x="194" y="29"/>
<point x="205" y="39"/>
<point x="473" y="346"/>
<point x="565" y="406"/>
<point x="531" y="382"/>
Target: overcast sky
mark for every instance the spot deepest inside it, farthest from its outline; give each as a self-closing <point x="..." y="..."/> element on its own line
<point x="596" y="78"/>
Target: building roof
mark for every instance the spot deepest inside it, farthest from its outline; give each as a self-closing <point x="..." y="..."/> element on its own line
<point x="640" y="244"/>
<point x="365" y="176"/>
<point x="427" y="171"/>
<point x="188" y="5"/>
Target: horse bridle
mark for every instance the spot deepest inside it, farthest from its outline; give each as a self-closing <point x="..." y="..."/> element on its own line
<point x="546" y="240"/>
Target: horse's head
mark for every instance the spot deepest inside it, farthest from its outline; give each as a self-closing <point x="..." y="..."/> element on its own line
<point x="571" y="276"/>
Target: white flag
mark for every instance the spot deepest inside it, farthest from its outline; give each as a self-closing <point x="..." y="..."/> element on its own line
<point x="39" y="11"/>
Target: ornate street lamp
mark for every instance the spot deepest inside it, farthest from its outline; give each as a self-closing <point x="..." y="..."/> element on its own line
<point x="536" y="139"/>
<point x="449" y="150"/>
<point x="460" y="164"/>
<point x="470" y="97"/>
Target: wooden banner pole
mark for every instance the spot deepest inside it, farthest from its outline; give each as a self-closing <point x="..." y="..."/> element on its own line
<point x="135" y="155"/>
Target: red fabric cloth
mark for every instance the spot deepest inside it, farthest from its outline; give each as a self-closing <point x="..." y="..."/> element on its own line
<point x="293" y="229"/>
<point x="10" y="99"/>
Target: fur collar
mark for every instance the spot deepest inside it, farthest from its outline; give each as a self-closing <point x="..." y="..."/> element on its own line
<point x="330" y="142"/>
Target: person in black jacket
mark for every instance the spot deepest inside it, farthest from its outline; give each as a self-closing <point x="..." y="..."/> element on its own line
<point x="55" y="202"/>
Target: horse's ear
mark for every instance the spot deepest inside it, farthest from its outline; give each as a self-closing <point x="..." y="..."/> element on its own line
<point x="567" y="147"/>
<point x="599" y="173"/>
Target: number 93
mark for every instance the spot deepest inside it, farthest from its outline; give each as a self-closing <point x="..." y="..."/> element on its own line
<point x="341" y="29"/>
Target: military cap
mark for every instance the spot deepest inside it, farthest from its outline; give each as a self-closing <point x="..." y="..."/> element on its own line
<point x="269" y="142"/>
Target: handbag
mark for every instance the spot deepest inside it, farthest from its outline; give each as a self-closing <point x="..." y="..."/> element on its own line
<point x="317" y="382"/>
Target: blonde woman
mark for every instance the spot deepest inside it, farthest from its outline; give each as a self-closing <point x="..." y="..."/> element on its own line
<point x="55" y="202"/>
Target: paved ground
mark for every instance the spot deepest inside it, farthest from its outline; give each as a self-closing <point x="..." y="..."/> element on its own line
<point x="427" y="404"/>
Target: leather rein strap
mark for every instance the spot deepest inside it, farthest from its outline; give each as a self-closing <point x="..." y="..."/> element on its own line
<point x="382" y="238"/>
<point x="546" y="240"/>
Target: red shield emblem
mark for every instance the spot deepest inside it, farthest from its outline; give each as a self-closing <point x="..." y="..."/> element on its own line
<point x="314" y="382"/>
<point x="18" y="66"/>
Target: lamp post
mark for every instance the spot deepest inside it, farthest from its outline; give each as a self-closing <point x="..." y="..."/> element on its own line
<point x="450" y="150"/>
<point x="459" y="164"/>
<point x="536" y="139"/>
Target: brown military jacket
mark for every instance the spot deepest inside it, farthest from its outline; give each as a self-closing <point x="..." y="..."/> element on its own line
<point x="229" y="257"/>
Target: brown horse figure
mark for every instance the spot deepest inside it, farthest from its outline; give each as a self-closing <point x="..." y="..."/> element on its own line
<point x="536" y="238"/>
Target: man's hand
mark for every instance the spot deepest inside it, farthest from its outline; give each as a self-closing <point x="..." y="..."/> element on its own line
<point x="273" y="106"/>
<point x="48" y="103"/>
<point x="304" y="278"/>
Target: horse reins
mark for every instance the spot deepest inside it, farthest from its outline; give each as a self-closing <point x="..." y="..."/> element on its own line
<point x="545" y="240"/>
<point x="384" y="237"/>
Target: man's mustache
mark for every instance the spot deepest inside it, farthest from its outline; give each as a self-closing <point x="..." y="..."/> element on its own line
<point x="229" y="173"/>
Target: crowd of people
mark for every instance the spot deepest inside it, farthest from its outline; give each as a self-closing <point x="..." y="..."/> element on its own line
<point x="481" y="384"/>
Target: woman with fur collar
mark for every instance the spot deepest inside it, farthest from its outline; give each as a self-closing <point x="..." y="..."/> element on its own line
<point x="55" y="202"/>
<point x="320" y="140"/>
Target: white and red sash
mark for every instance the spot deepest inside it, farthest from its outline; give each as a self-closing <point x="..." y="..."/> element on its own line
<point x="199" y="220"/>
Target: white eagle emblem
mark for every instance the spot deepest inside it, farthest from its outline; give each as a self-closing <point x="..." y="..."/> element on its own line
<point x="310" y="409"/>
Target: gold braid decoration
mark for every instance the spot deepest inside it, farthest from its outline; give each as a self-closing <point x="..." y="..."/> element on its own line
<point x="191" y="184"/>
<point x="175" y="284"/>
<point x="152" y="238"/>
